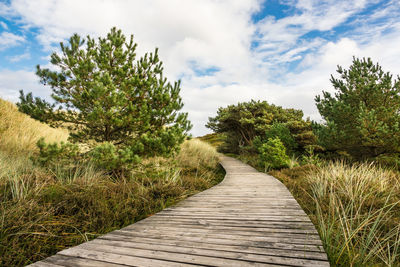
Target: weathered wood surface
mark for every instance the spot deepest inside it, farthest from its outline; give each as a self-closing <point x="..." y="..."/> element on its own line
<point x="250" y="219"/>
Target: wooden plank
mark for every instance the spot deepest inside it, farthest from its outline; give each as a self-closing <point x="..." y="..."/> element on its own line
<point x="231" y="231"/>
<point x="234" y="247"/>
<point x="249" y="242"/>
<point x="236" y="232"/>
<point x="209" y="253"/>
<point x="232" y="222"/>
<point x="283" y="238"/>
<point x="249" y="219"/>
<point x="61" y="260"/>
<point x="168" y="256"/>
<point x="224" y="228"/>
<point x="103" y="256"/>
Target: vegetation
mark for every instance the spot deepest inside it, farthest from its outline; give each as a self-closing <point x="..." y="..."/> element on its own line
<point x="347" y="179"/>
<point x="273" y="154"/>
<point x="127" y="159"/>
<point x="249" y="127"/>
<point x="362" y="117"/>
<point x="122" y="108"/>
<point x="356" y="209"/>
<point x="19" y="133"/>
<point x="46" y="209"/>
<point x="214" y="139"/>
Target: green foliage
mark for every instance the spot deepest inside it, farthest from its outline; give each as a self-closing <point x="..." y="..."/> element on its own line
<point x="273" y="154"/>
<point x="109" y="157"/>
<point x="362" y="117"/>
<point x="36" y="107"/>
<point x="281" y="131"/>
<point x="54" y="153"/>
<point x="104" y="94"/>
<point x="311" y="158"/>
<point x="243" y="122"/>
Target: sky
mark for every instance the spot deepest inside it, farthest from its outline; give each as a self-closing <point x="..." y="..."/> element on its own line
<point x="223" y="51"/>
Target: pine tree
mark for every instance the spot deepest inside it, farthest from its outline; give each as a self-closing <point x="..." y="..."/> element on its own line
<point x="244" y="122"/>
<point x="104" y="94"/>
<point x="363" y="116"/>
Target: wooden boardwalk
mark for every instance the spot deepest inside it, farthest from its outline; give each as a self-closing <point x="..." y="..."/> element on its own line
<point x="250" y="219"/>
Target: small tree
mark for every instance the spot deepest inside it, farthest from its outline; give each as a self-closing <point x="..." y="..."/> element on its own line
<point x="273" y="154"/>
<point x="363" y="117"/>
<point x="105" y="95"/>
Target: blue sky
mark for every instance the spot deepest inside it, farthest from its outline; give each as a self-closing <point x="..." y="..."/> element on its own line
<point x="223" y="51"/>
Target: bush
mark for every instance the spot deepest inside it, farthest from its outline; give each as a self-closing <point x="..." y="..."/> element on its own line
<point x="110" y="158"/>
<point x="281" y="131"/>
<point x="54" y="153"/>
<point x="273" y="154"/>
<point x="43" y="213"/>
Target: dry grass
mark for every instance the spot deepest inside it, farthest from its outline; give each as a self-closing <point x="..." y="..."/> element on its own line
<point x="46" y="210"/>
<point x="195" y="153"/>
<point x="358" y="213"/>
<point x="19" y="133"/>
<point x="356" y="209"/>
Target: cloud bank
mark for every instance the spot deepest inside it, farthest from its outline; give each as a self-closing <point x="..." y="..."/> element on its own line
<point x="223" y="51"/>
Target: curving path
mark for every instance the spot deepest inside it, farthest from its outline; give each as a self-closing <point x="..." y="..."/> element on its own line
<point x="249" y="219"/>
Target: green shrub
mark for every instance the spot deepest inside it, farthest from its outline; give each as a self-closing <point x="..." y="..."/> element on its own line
<point x="110" y="158"/>
<point x="282" y="131"/>
<point x="273" y="154"/>
<point x="54" y="153"/>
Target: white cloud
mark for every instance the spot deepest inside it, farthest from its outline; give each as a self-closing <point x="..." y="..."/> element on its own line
<point x="5" y="10"/>
<point x="13" y="81"/>
<point x="3" y="25"/>
<point x="195" y="35"/>
<point x="20" y="57"/>
<point x="8" y="39"/>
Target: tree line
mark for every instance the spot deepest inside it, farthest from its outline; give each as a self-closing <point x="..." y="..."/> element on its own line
<point x="361" y="122"/>
<point x="122" y="109"/>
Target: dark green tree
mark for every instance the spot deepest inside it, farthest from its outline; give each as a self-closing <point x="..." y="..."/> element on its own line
<point x="104" y="94"/>
<point x="363" y="116"/>
<point x="281" y="131"/>
<point x="243" y="122"/>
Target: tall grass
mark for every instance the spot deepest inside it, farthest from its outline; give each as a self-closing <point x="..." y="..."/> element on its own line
<point x="19" y="133"/>
<point x="195" y="153"/>
<point x="45" y="210"/>
<point x="355" y="208"/>
<point x="358" y="213"/>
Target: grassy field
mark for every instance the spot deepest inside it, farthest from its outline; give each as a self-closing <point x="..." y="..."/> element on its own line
<point x="46" y="210"/>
